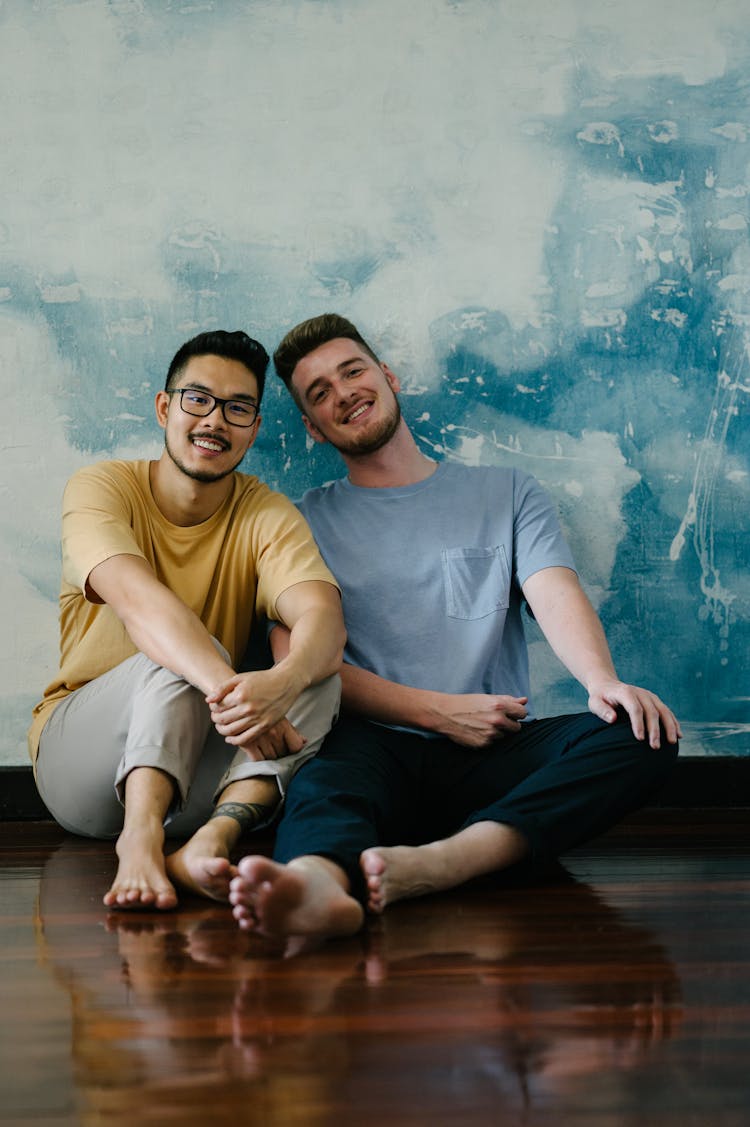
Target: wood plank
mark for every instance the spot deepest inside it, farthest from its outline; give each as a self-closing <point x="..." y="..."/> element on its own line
<point x="615" y="991"/>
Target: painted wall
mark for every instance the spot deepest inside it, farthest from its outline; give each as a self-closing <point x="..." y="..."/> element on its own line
<point x="536" y="209"/>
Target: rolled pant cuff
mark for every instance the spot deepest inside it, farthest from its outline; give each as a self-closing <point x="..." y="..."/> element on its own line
<point x="160" y="760"/>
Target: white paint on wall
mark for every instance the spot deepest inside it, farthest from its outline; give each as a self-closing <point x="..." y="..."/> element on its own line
<point x="412" y="138"/>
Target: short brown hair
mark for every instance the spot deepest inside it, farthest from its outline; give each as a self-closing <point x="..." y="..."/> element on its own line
<point x="306" y="337"/>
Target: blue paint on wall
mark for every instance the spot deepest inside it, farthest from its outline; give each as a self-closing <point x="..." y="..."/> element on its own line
<point x="623" y="382"/>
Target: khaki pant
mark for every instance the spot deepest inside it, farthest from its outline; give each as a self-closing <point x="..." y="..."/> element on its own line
<point x="142" y="715"/>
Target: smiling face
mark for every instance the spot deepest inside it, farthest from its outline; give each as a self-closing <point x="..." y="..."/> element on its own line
<point x="347" y="398"/>
<point x="208" y="448"/>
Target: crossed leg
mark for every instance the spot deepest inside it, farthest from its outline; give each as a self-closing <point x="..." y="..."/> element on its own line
<point x="401" y="871"/>
<point x="310" y="896"/>
<point x="567" y="779"/>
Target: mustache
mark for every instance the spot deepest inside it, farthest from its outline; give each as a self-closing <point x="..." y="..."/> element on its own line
<point x="207" y="436"/>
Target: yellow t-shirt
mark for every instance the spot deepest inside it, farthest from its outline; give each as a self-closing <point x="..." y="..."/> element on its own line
<point x="228" y="569"/>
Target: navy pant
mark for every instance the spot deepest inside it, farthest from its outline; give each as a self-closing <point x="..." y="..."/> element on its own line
<point x="558" y="781"/>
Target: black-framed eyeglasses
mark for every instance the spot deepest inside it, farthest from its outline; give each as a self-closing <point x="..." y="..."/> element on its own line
<point x="200" y="403"/>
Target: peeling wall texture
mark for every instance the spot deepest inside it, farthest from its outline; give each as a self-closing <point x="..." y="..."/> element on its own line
<point x="537" y="210"/>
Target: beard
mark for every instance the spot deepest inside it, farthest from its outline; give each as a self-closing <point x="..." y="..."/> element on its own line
<point x="373" y="440"/>
<point x="205" y="476"/>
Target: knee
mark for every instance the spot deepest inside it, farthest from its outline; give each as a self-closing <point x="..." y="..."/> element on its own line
<point x="328" y="693"/>
<point x="316" y="709"/>
<point x="328" y="690"/>
<point x="656" y="763"/>
<point x="666" y="755"/>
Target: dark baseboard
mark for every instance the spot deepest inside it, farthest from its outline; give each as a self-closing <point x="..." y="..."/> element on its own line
<point x="711" y="780"/>
<point x="19" y="798"/>
<point x="700" y="781"/>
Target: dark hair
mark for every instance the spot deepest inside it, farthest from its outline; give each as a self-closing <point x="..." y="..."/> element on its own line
<point x="231" y="346"/>
<point x="306" y="337"/>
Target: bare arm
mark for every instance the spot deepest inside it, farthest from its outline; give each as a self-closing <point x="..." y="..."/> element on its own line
<point x="471" y="719"/>
<point x="159" y="624"/>
<point x="572" y="627"/>
<point x="247" y="704"/>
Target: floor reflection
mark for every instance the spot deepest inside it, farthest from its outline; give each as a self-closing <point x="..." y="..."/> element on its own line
<point x="507" y="994"/>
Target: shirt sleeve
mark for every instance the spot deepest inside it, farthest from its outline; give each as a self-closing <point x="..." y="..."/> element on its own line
<point x="96" y="525"/>
<point x="538" y="538"/>
<point x="285" y="554"/>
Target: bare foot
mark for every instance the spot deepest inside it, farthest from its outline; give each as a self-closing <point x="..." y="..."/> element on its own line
<point x="395" y="872"/>
<point x="303" y="898"/>
<point x="401" y="871"/>
<point x="141" y="880"/>
<point x="196" y="870"/>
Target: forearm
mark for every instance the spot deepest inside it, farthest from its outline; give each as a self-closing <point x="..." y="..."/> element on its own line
<point x="174" y="637"/>
<point x="375" y="698"/>
<point x="570" y="625"/>
<point x="470" y="719"/>
<point x="315" y="648"/>
<point x="306" y="651"/>
<point x="158" y="623"/>
<point x="583" y="648"/>
<point x="310" y="644"/>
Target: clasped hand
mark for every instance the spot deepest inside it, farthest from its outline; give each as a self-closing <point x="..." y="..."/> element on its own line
<point x="249" y="711"/>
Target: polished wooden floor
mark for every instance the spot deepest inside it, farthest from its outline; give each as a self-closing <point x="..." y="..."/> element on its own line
<point x="614" y="992"/>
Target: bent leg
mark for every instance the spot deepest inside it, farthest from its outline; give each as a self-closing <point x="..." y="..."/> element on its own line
<point x="313" y="715"/>
<point x="221" y="765"/>
<point x="136" y="715"/>
<point x="558" y="782"/>
<point x="226" y="804"/>
<point x="359" y="790"/>
<point x="566" y="779"/>
<point x="148" y="728"/>
<point x="151" y="724"/>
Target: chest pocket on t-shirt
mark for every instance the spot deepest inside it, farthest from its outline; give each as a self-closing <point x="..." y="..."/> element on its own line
<point x="477" y="581"/>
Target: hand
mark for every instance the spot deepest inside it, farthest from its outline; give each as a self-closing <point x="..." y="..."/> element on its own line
<point x="645" y="709"/>
<point x="476" y="719"/>
<point x="249" y="704"/>
<point x="280" y="740"/>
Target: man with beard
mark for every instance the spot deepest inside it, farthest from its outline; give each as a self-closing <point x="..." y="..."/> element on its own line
<point x="443" y="775"/>
<point x="166" y="566"/>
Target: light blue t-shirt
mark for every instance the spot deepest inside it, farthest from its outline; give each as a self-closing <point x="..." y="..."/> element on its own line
<point x="431" y="573"/>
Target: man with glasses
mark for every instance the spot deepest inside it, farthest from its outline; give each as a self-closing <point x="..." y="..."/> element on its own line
<point x="444" y="776"/>
<point x="166" y="566"/>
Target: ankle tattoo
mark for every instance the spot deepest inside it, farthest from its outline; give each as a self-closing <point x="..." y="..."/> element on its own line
<point x="247" y="814"/>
